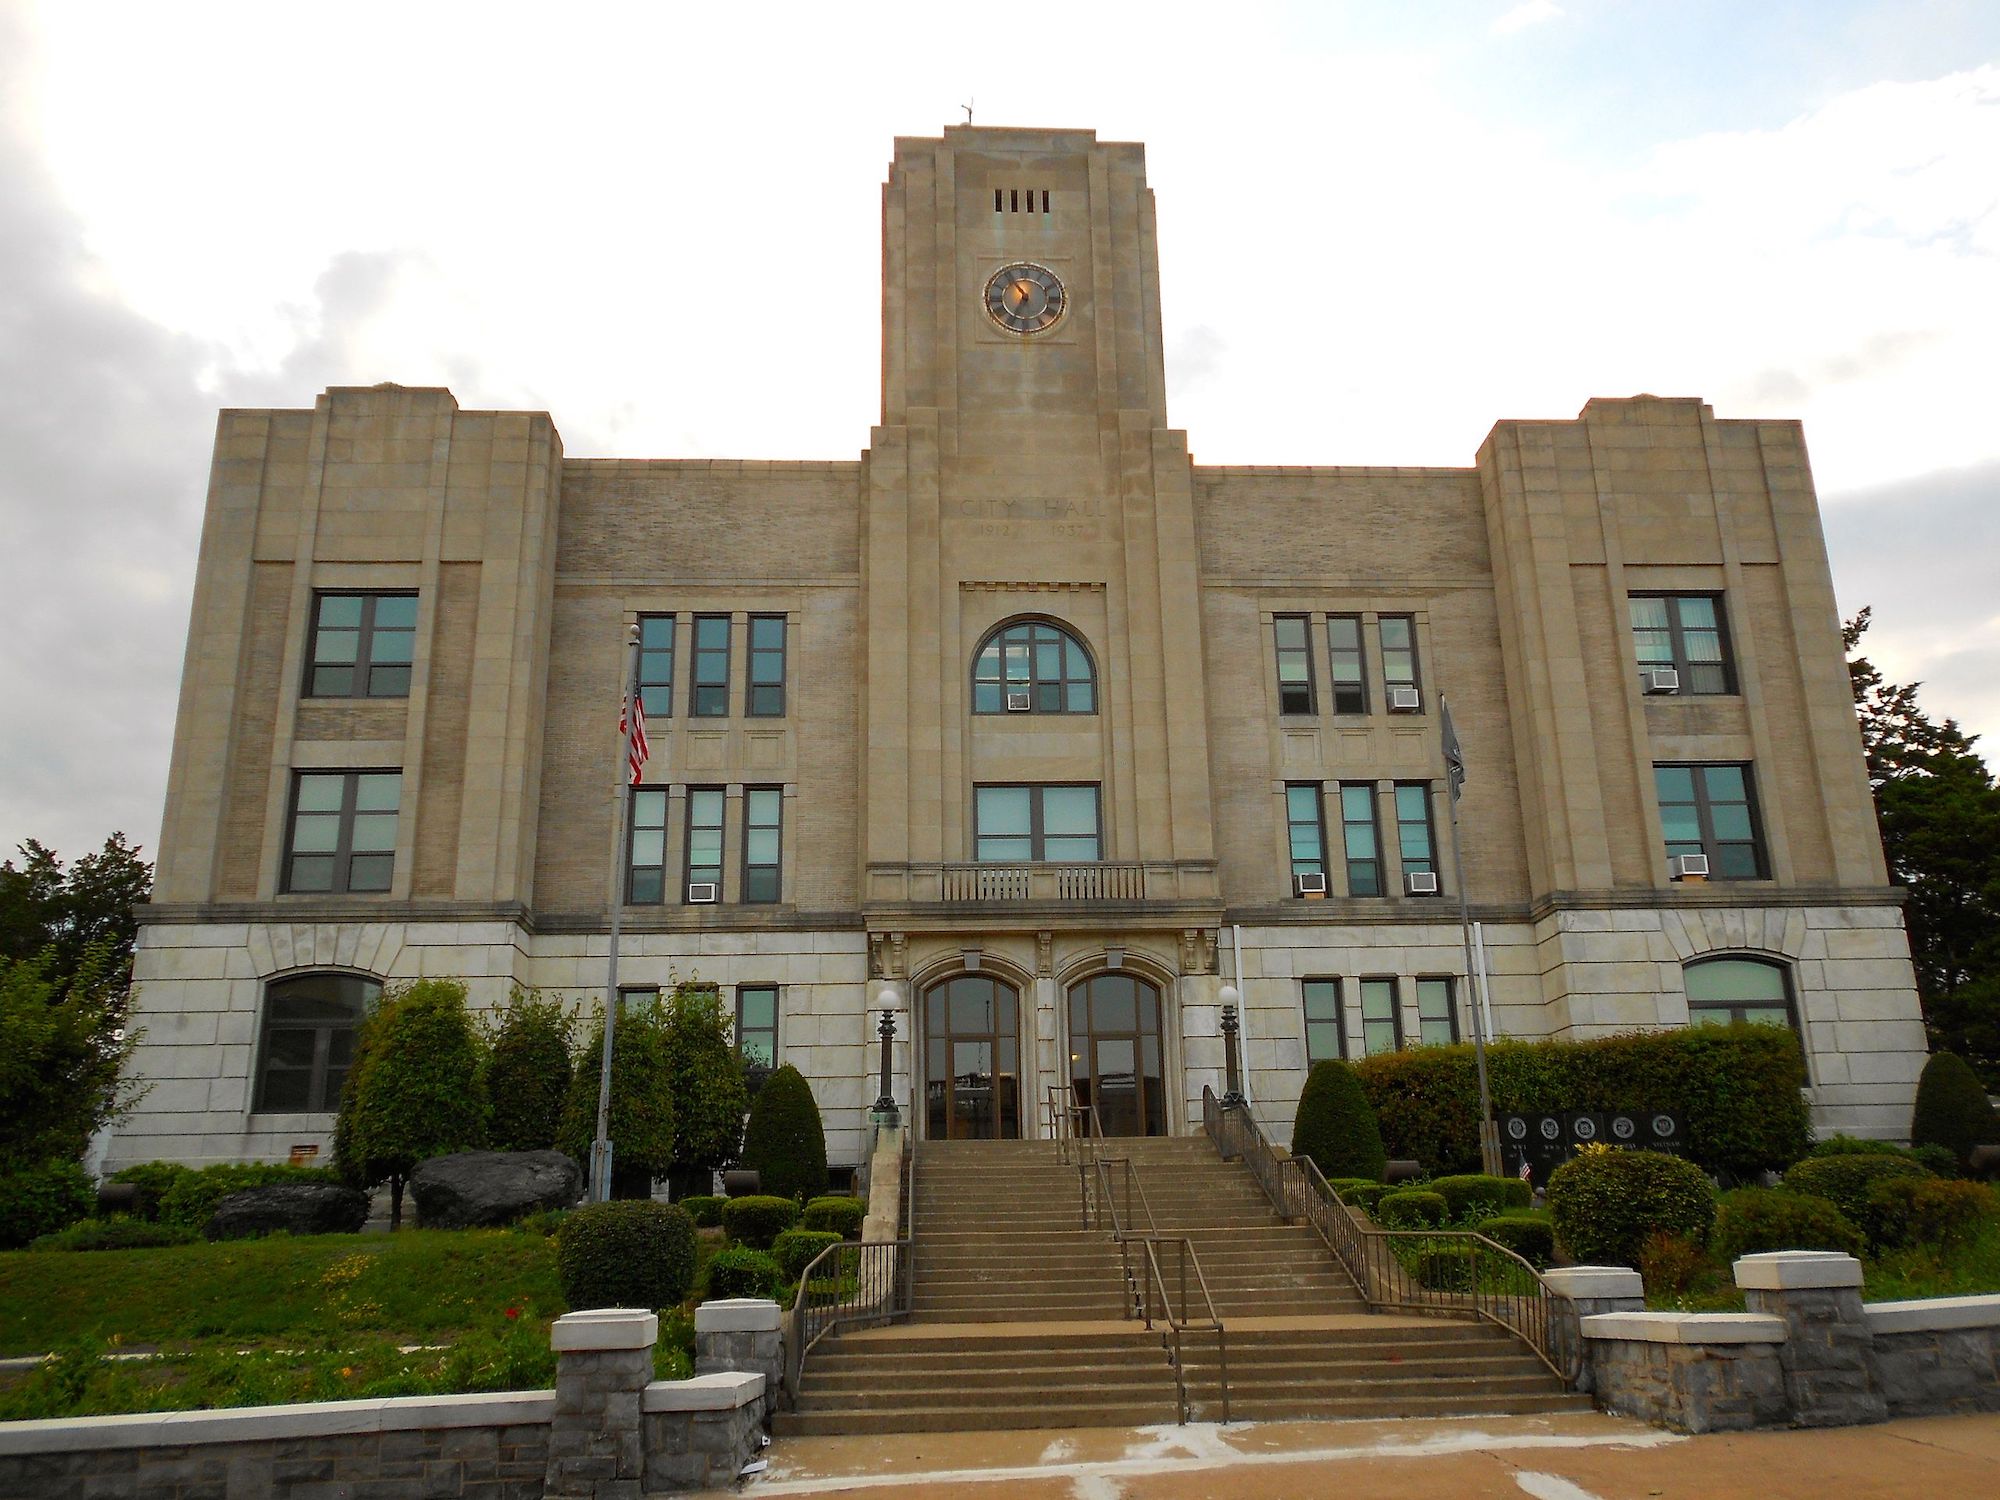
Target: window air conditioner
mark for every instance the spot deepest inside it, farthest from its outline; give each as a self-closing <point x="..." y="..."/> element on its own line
<point x="1420" y="883"/>
<point x="1688" y="867"/>
<point x="1017" y="703"/>
<point x="1405" y="700"/>
<point x="1660" y="680"/>
<point x="1309" y="885"/>
<point x="702" y="890"/>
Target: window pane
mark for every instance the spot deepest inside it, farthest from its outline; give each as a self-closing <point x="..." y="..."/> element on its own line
<point x="391" y="646"/>
<point x="332" y="682"/>
<point x="1082" y="698"/>
<point x="656" y="633"/>
<point x="1291" y="632"/>
<point x="649" y="846"/>
<point x="760" y="1007"/>
<point x="389" y="682"/>
<point x="1078" y="849"/>
<point x="767" y="633"/>
<point x="1674" y="783"/>
<point x="1734" y="980"/>
<point x="340" y="609"/>
<point x="311" y="872"/>
<point x="336" y="646"/>
<point x="291" y="1048"/>
<point x="649" y="887"/>
<point x="986" y="697"/>
<point x="374" y="832"/>
<point x="318" y="793"/>
<point x="760" y="883"/>
<point x="370" y="872"/>
<point x="379" y="792"/>
<point x="1724" y="783"/>
<point x="760" y="846"/>
<point x="759" y="1050"/>
<point x="286" y="1091"/>
<point x="1322" y="1040"/>
<point x="1378" y="999"/>
<point x="1649" y="614"/>
<point x="1007" y="850"/>
<point x="1003" y="810"/>
<point x="395" y="611"/>
<point x="705" y="808"/>
<point x="1731" y="820"/>
<point x="1697" y="612"/>
<point x="316" y="833"/>
<point x="1378" y="1036"/>
<point x="1322" y="999"/>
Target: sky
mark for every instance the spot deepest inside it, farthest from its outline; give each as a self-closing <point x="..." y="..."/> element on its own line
<point x="1383" y="227"/>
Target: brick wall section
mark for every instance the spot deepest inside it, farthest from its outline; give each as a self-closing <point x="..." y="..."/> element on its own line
<point x="447" y="705"/>
<point x="247" y="788"/>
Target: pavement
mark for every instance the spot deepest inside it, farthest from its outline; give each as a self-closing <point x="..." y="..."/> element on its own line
<point x="1570" y="1456"/>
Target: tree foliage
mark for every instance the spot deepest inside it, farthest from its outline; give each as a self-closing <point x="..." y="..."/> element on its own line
<point x="63" y="1048"/>
<point x="642" y="1098"/>
<point x="63" y="915"/>
<point x="1335" y="1125"/>
<point x="706" y="1078"/>
<point x="784" y="1141"/>
<point x="528" y="1072"/>
<point x="1952" y="1109"/>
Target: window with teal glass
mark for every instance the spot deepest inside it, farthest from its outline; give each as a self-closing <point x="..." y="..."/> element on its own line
<point x="362" y="645"/>
<point x="1413" y="828"/>
<point x="1034" y="667"/>
<point x="1029" y="823"/>
<point x="1361" y="839"/>
<point x="1753" y="990"/>
<point x="1437" y="1016"/>
<point x="1712" y="810"/>
<point x="1686" y="632"/>
<point x="656" y="665"/>
<point x="1324" y="1037"/>
<point x="1381" y="1017"/>
<point x="763" y="829"/>
<point x="767" y="667"/>
<point x="1304" y="829"/>
<point x="704" y="836"/>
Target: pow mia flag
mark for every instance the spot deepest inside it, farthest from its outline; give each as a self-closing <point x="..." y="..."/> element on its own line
<point x="1454" y="757"/>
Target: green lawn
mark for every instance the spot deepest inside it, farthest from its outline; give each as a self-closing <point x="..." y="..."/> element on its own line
<point x="1964" y="1270"/>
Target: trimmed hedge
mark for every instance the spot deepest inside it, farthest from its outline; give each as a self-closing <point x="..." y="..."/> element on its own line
<point x="1534" y="1240"/>
<point x="189" y="1202"/>
<point x="1845" y="1180"/>
<point x="784" y="1141"/>
<point x="737" y="1271"/>
<point x="152" y="1180"/>
<point x="705" y="1209"/>
<point x="1477" y="1195"/>
<point x="116" y="1233"/>
<point x="1952" y="1108"/>
<point x="1335" y="1127"/>
<point x="42" y="1199"/>
<point x="758" y="1220"/>
<point x="1605" y="1203"/>
<point x="1440" y="1268"/>
<point x="1363" y="1194"/>
<point x="1754" y="1221"/>
<point x="795" y="1248"/>
<point x="1926" y="1211"/>
<point x="835" y="1215"/>
<point x="631" y="1252"/>
<point x="1736" y="1086"/>
<point x="1412" y="1208"/>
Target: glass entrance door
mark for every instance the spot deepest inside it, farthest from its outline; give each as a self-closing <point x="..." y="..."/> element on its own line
<point x="972" y="1076"/>
<point x="1114" y="1047"/>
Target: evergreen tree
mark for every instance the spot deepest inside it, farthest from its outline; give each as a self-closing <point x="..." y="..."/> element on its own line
<point x="1336" y="1126"/>
<point x="60" y="916"/>
<point x="642" y="1099"/>
<point x="784" y="1141"/>
<point x="528" y="1076"/>
<point x="710" y="1098"/>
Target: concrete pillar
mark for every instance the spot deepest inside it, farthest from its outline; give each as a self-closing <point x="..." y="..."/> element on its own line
<point x="1828" y="1353"/>
<point x="1589" y="1290"/>
<point x="604" y="1361"/>
<point x="741" y="1333"/>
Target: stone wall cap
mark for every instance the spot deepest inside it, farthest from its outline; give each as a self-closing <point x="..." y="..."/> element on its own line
<point x="725" y="1390"/>
<point x="738" y="1315"/>
<point x="605" y="1328"/>
<point x="1923" y="1314"/>
<point x="1797" y="1270"/>
<point x="302" y="1419"/>
<point x="1686" y="1328"/>
<point x="1595" y="1281"/>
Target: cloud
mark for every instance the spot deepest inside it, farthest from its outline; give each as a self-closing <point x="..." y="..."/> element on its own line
<point x="1521" y="17"/>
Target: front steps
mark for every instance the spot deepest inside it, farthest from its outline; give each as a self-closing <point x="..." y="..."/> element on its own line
<point x="1020" y="1314"/>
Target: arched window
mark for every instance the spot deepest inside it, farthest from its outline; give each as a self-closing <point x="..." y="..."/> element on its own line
<point x="1722" y="990"/>
<point x="308" y="1041"/>
<point x="1033" y="667"/>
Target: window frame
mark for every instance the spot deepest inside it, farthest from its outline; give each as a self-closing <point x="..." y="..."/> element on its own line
<point x="1374" y="825"/>
<point x="996" y="642"/>
<point x="753" y="1074"/>
<point x="1309" y="686"/>
<point x="323" y="1031"/>
<point x="1789" y="991"/>
<point x="1395" y="1011"/>
<point x="1037" y="823"/>
<point x="1704" y="816"/>
<point x="1359" y="651"/>
<point x="776" y="865"/>
<point x="1416" y="677"/>
<point x="633" y="828"/>
<point x="697" y="653"/>
<point x="343" y="853"/>
<point x="1677" y="640"/>
<point x="1450" y="1017"/>
<point x="1429" y="863"/>
<point x="1338" y="1020"/>
<point x="721" y="830"/>
<point x="656" y="693"/>
<point x="364" y="664"/>
<point x="752" y="685"/>
<point x="1317" y="793"/>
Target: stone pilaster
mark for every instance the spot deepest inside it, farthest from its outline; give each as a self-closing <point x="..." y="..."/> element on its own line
<point x="742" y="1333"/>
<point x="1828" y="1353"/>
<point x="604" y="1362"/>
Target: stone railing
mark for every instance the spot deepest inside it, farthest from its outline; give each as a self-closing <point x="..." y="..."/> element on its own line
<point x="607" y="1429"/>
<point x="1060" y="884"/>
<point x="1807" y="1353"/>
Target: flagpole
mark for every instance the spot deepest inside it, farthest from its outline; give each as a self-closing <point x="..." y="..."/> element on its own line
<point x="600" y="1148"/>
<point x="1489" y="1136"/>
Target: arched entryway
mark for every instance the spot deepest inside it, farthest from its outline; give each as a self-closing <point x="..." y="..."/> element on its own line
<point x="972" y="1072"/>
<point x="1114" y="1047"/>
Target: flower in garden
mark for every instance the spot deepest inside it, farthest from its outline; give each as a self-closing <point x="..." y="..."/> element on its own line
<point x="513" y="1312"/>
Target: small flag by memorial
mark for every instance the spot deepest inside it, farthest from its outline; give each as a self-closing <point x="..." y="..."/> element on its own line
<point x="1454" y="757"/>
<point x="634" y="730"/>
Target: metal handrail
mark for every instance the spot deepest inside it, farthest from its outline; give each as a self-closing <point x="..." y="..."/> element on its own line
<point x="1179" y="1323"/>
<point x="861" y="1284"/>
<point x="1444" y="1272"/>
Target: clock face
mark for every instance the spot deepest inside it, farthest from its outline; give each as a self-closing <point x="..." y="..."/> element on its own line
<point x="1025" y="298"/>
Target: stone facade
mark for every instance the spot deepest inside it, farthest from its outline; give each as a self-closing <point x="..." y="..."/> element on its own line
<point x="1018" y="479"/>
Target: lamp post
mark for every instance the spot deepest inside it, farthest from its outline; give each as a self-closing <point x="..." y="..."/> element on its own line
<point x="1232" y="1097"/>
<point x="885" y="1106"/>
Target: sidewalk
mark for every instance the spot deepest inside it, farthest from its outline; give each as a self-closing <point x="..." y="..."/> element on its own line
<point x="1585" y="1456"/>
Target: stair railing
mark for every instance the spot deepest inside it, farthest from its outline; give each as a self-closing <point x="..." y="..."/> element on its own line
<point x="861" y="1285"/>
<point x="1444" y="1272"/>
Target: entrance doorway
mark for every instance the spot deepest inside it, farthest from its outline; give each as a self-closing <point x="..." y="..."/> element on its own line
<point x="1114" y="1053"/>
<point x="972" y="1074"/>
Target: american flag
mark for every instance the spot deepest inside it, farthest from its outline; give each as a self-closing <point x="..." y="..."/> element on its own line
<point x="636" y="748"/>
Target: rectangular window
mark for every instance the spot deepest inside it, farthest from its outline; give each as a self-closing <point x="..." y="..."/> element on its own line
<point x="757" y="1030"/>
<point x="1413" y="827"/>
<point x="767" y="667"/>
<point x="343" y="831"/>
<point x="646" y="873"/>
<point x="1399" y="650"/>
<point x="1324" y="1036"/>
<point x="763" y="819"/>
<point x="1360" y="840"/>
<point x="636" y="997"/>
<point x="709" y="691"/>
<point x="1712" y="810"/>
<point x="704" y="837"/>
<point x="1018" y="823"/>
<point x="1350" y="665"/>
<point x="1295" y="677"/>
<point x="1381" y="1017"/>
<point x="1437" y="1017"/>
<point x="362" y="645"/>
<point x="1304" y="828"/>
<point x="656" y="665"/>
<point x="1685" y="632"/>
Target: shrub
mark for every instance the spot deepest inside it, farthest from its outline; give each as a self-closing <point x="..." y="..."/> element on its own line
<point x="116" y="1233"/>
<point x="1669" y="1263"/>
<point x="1736" y="1086"/>
<point x="1755" y="1221"/>
<point x="642" y="1102"/>
<point x="1926" y="1211"/>
<point x="706" y="1079"/>
<point x="1366" y="1196"/>
<point x="528" y="1076"/>
<point x="1335" y="1126"/>
<point x="705" y="1209"/>
<point x="151" y="1180"/>
<point x="795" y="1248"/>
<point x="1952" y="1108"/>
<point x="190" y="1202"/>
<point x="841" y="1216"/>
<point x="1856" y="1145"/>
<point x="1444" y="1268"/>
<point x="737" y="1271"/>
<point x="784" y="1142"/>
<point x="627" y="1253"/>
<point x="1534" y="1240"/>
<point x="1845" y="1180"/>
<point x="758" y="1220"/>
<point x="42" y="1199"/>
<point x="1937" y="1158"/>
<point x="1474" y="1195"/>
<point x="1412" y="1208"/>
<point x="1604" y="1203"/>
<point x="546" y="1222"/>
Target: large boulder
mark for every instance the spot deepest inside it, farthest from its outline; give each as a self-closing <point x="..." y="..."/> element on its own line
<point x="295" y="1207"/>
<point x="475" y="1189"/>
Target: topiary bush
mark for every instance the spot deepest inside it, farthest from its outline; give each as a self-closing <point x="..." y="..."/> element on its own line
<point x="1534" y="1240"/>
<point x="1475" y="1195"/>
<point x="1335" y="1125"/>
<point x="795" y="1249"/>
<point x="705" y="1209"/>
<point x="528" y="1072"/>
<point x="1926" y="1211"/>
<point x="119" y="1232"/>
<point x="151" y="1181"/>
<point x="1411" y="1208"/>
<point x="1845" y="1180"/>
<point x="784" y="1141"/>
<point x="1604" y="1203"/>
<point x="1952" y="1108"/>
<point x="835" y="1215"/>
<point x="1755" y="1221"/>
<point x="758" y="1220"/>
<point x="42" y="1199"/>
<point x="626" y="1253"/>
<point x="189" y="1203"/>
<point x="738" y="1271"/>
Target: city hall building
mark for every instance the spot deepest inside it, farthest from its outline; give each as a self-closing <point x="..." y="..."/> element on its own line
<point x="1023" y="717"/>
